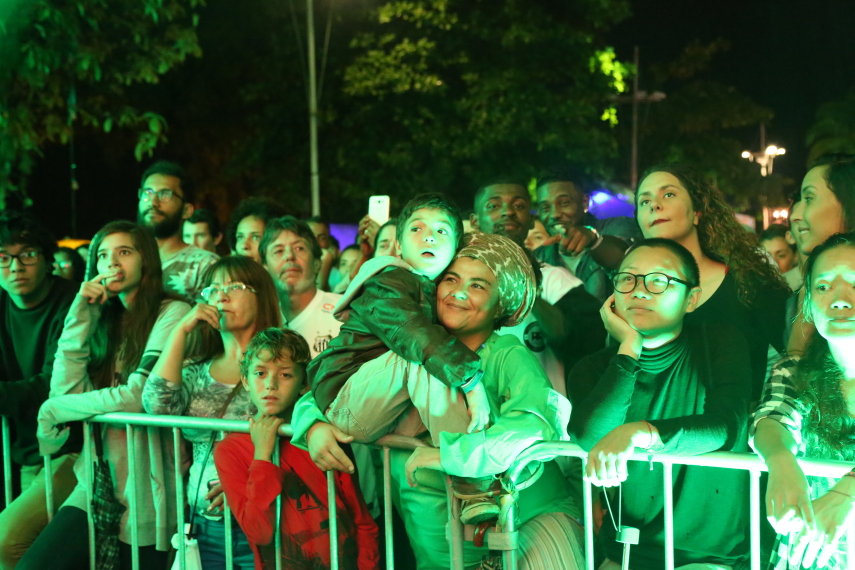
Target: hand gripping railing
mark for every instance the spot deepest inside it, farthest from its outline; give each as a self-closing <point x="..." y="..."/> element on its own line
<point x="176" y="424"/>
<point x="547" y="450"/>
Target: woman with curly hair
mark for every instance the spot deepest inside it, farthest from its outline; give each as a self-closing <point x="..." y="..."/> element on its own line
<point x="738" y="284"/>
<point x="808" y="410"/>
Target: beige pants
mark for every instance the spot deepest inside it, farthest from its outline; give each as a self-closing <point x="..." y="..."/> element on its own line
<point x="609" y="565"/>
<point x="23" y="521"/>
<point x="391" y="395"/>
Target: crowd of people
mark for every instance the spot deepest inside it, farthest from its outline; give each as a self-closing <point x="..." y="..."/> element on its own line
<point x="676" y="332"/>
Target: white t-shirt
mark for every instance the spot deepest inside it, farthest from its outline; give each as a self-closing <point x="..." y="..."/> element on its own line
<point x="557" y="281"/>
<point x="316" y="323"/>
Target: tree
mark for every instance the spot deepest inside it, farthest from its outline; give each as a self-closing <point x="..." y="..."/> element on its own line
<point x="68" y="64"/>
<point x="701" y="124"/>
<point x="834" y="129"/>
<point x="447" y="94"/>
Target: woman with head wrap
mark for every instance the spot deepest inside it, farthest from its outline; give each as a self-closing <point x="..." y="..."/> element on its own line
<point x="489" y="284"/>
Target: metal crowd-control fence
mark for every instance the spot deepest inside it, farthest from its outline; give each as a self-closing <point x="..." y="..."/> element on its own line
<point x="724" y="460"/>
<point x="538" y="452"/>
<point x="176" y="423"/>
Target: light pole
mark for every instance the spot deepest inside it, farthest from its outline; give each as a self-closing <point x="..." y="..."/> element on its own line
<point x="766" y="157"/>
<point x="313" y="110"/>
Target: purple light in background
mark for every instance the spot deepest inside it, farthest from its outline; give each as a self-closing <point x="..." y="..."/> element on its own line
<point x="344" y="233"/>
<point x="604" y="204"/>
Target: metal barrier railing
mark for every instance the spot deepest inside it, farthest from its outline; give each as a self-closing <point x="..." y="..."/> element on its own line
<point x="721" y="459"/>
<point x="538" y="452"/>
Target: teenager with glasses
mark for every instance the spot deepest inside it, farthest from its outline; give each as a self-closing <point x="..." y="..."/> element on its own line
<point x="33" y="306"/>
<point x="112" y="337"/>
<point x="667" y="387"/>
<point x="238" y="300"/>
<point x="166" y="198"/>
<point x="738" y="284"/>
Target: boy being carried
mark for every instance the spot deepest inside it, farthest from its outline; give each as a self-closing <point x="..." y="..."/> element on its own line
<point x="273" y="371"/>
<point x="364" y="381"/>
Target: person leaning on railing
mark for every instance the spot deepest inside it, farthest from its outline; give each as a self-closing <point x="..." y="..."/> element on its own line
<point x="807" y="410"/>
<point x="239" y="299"/>
<point x="113" y="334"/>
<point x="668" y="388"/>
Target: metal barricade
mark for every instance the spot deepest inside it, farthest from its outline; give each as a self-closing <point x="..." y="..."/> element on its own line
<point x="721" y="459"/>
<point x="539" y="452"/>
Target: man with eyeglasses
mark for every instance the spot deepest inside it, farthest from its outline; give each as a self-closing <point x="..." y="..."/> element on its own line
<point x="33" y="306"/>
<point x="165" y="200"/>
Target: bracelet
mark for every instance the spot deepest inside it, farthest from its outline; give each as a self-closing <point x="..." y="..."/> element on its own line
<point x="599" y="239"/>
<point x="470" y="384"/>
<point x="840" y="493"/>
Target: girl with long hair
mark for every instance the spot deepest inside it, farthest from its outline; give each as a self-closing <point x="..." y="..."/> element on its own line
<point x="114" y="332"/>
<point x="808" y="410"/>
<point x="238" y="300"/>
<point x="738" y="284"/>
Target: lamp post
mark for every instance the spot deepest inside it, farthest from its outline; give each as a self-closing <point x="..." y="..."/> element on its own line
<point x="766" y="157"/>
<point x="313" y="110"/>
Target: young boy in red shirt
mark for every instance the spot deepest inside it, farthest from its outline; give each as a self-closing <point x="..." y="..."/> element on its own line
<point x="273" y="370"/>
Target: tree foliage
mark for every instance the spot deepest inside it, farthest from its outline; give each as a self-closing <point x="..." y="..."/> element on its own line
<point x="67" y="63"/>
<point x="833" y="131"/>
<point x="702" y="124"/>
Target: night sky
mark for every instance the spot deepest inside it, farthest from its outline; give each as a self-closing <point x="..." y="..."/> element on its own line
<point x="788" y="55"/>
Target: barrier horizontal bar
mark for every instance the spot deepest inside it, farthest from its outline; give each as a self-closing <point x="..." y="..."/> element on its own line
<point x="723" y="459"/>
<point x="182" y="422"/>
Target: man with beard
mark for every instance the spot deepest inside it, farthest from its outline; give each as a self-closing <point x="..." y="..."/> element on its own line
<point x="165" y="201"/>
<point x="564" y="324"/>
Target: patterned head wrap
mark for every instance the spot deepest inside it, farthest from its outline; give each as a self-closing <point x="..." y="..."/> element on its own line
<point x="512" y="268"/>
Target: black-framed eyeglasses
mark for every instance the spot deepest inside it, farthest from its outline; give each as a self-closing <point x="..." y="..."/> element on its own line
<point x="24" y="258"/>
<point x="146" y="195"/>
<point x="211" y="291"/>
<point x="655" y="283"/>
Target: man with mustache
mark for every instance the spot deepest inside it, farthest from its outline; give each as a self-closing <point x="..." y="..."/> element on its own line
<point x="291" y="254"/>
<point x="166" y="198"/>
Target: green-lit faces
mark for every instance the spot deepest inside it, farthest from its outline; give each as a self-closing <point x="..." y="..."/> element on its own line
<point x="648" y="269"/>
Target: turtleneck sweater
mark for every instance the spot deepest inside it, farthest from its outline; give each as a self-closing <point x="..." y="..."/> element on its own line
<point x="695" y="391"/>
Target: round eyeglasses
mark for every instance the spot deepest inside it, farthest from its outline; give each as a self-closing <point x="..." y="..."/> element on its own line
<point x="211" y="291"/>
<point x="24" y="258"/>
<point x="655" y="283"/>
<point x="147" y="195"/>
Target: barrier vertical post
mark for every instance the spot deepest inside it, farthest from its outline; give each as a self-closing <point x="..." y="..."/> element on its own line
<point x="510" y="556"/>
<point x="754" y="509"/>
<point x="90" y="480"/>
<point x="132" y="501"/>
<point x="179" y="497"/>
<point x="387" y="508"/>
<point x="276" y="527"/>
<point x="7" y="461"/>
<point x="668" y="488"/>
<point x="48" y="487"/>
<point x="588" y="505"/>
<point x="227" y="520"/>
<point x="333" y="519"/>
<point x="455" y="528"/>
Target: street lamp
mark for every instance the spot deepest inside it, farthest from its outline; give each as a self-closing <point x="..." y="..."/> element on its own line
<point x="765" y="158"/>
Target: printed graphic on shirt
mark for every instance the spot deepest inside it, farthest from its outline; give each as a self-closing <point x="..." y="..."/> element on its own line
<point x="533" y="337"/>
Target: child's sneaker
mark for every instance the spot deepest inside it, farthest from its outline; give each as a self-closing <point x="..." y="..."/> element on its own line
<point x="475" y="511"/>
<point x="478" y="498"/>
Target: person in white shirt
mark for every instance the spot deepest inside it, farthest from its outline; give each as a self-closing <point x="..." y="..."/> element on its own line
<point x="563" y="326"/>
<point x="291" y="254"/>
